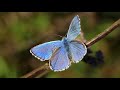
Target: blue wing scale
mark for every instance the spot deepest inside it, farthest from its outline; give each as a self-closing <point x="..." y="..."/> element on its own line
<point x="59" y="61"/>
<point x="44" y="51"/>
<point x="74" y="28"/>
<point x="78" y="51"/>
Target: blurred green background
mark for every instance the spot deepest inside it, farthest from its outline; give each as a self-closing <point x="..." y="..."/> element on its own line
<point x="20" y="31"/>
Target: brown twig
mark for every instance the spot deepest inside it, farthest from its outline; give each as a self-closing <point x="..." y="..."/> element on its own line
<point x="103" y="34"/>
<point x="40" y="71"/>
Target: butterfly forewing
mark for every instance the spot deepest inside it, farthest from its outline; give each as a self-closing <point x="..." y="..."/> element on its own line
<point x="74" y="28"/>
<point x="44" y="51"/>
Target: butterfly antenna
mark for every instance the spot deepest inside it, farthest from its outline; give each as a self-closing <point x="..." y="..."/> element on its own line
<point x="66" y="34"/>
<point x="58" y="35"/>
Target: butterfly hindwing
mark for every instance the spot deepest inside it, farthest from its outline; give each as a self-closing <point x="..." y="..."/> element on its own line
<point x="74" y="28"/>
<point x="78" y="51"/>
<point x="59" y="61"/>
<point x="44" y="51"/>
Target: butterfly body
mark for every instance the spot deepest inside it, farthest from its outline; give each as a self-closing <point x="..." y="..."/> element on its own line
<point x="66" y="46"/>
<point x="61" y="53"/>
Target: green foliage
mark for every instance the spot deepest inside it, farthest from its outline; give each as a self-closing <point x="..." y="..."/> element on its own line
<point x="5" y="70"/>
<point x="41" y="22"/>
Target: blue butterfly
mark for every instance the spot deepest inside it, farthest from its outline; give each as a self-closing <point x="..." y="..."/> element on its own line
<point x="62" y="53"/>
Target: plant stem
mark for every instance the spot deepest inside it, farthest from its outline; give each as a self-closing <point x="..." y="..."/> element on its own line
<point x="42" y="70"/>
<point x="103" y="34"/>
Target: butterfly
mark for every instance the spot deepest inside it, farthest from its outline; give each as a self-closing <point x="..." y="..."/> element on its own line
<point x="61" y="53"/>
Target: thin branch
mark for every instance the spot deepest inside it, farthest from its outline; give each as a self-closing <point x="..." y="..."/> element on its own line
<point x="103" y="34"/>
<point x="40" y="71"/>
